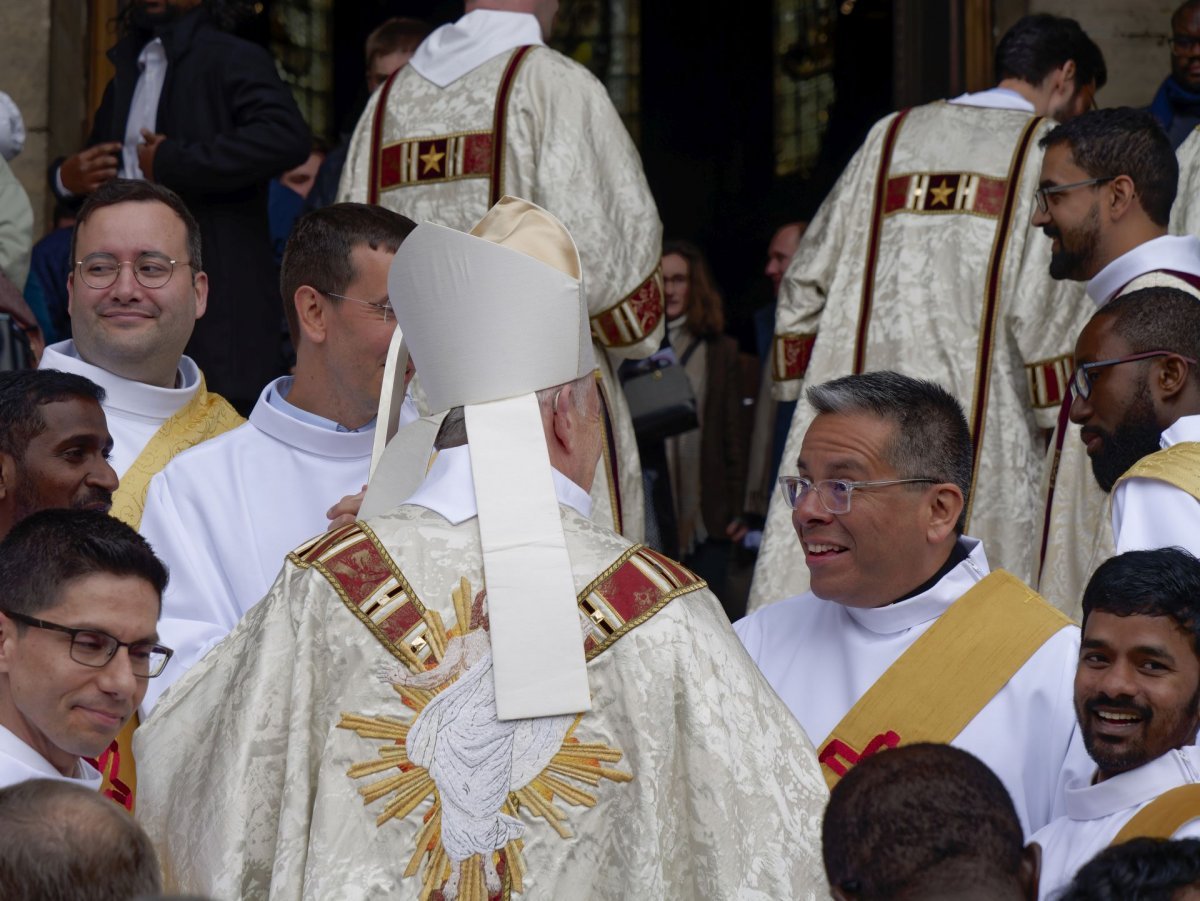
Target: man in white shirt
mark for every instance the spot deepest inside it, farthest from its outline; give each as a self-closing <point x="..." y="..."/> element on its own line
<point x="1137" y="697"/>
<point x="77" y="641"/>
<point x="224" y="514"/>
<point x="54" y="445"/>
<point x="1137" y="403"/>
<point x="906" y="635"/>
<point x="1107" y="186"/>
<point x="137" y="288"/>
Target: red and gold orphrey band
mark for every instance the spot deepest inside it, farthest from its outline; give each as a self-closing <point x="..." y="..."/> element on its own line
<point x="792" y="355"/>
<point x="637" y="585"/>
<point x="632" y="319"/>
<point x="1049" y="380"/>
<point x="945" y="192"/>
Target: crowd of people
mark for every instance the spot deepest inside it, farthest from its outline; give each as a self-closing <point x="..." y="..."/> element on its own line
<point x="440" y="619"/>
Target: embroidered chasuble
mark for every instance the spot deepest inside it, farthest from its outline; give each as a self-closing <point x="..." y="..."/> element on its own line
<point x="343" y="741"/>
<point x="533" y="124"/>
<point x="949" y="283"/>
<point x="204" y="416"/>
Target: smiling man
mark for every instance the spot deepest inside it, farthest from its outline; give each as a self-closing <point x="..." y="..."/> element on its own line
<point x="1137" y="697"/>
<point x="78" y="641"/>
<point x="1107" y="186"/>
<point x="906" y="635"/>
<point x="1137" y="401"/>
<point x="224" y="515"/>
<point x="54" y="445"/>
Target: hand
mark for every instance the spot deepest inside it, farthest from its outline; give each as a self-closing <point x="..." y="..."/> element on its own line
<point x="736" y="530"/>
<point x="345" y="511"/>
<point x="13" y="303"/>
<point x="87" y="170"/>
<point x="146" y="152"/>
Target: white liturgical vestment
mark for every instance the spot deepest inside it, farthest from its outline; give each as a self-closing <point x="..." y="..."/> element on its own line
<point x="821" y="657"/>
<point x="135" y="411"/>
<point x="1149" y="514"/>
<point x="1076" y="531"/>
<point x="686" y="779"/>
<point x="20" y="763"/>
<point x="1096" y="813"/>
<point x="1185" y="213"/>
<point x="925" y="263"/>
<point x="447" y="154"/>
<point x="224" y="515"/>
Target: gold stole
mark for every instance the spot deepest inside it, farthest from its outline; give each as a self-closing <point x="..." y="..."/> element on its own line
<point x="1177" y="465"/>
<point x="204" y="416"/>
<point x="1164" y="815"/>
<point x="947" y="675"/>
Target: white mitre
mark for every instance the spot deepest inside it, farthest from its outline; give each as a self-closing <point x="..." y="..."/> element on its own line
<point x="491" y="317"/>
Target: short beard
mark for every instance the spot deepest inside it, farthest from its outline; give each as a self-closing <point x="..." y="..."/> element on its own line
<point x="1111" y="761"/>
<point x="1078" y="263"/>
<point x="1138" y="435"/>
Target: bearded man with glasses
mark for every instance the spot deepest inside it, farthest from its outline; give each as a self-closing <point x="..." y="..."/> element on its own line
<point x="907" y="635"/>
<point x="224" y="515"/>
<point x="1106" y="191"/>
<point x="78" y="641"/>
<point x="1137" y="403"/>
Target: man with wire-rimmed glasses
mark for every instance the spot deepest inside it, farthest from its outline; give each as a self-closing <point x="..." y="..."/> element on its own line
<point x="1137" y="400"/>
<point x="907" y="635"/>
<point x="1106" y="190"/>
<point x="78" y="641"/>
<point x="225" y="516"/>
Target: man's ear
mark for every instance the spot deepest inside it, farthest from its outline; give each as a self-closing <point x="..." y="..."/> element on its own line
<point x="70" y="290"/>
<point x="564" y="425"/>
<point x="312" y="311"/>
<point x="1124" y="195"/>
<point x="8" y="475"/>
<point x="1170" y="377"/>
<point x="200" y="287"/>
<point x="1030" y="871"/>
<point x="945" y="507"/>
<point x="8" y="634"/>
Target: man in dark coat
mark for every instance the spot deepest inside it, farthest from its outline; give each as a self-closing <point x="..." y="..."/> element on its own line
<point x="223" y="126"/>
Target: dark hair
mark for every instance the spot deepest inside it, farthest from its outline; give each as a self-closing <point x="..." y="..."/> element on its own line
<point x="47" y="549"/>
<point x="70" y="843"/>
<point x="932" y="437"/>
<point x="23" y="392"/>
<point x="706" y="309"/>
<point x="1142" y="869"/>
<point x="1161" y="582"/>
<point x="919" y="813"/>
<point x="1158" y="318"/>
<point x="397" y="33"/>
<point x="128" y="190"/>
<point x="1124" y="141"/>
<point x="1186" y="7"/>
<point x="1038" y="44"/>
<point x="318" y="252"/>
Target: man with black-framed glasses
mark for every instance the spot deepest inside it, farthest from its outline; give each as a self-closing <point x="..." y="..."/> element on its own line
<point x="225" y="516"/>
<point x="78" y="641"/>
<point x="1137" y="401"/>
<point x="1107" y="187"/>
<point x="907" y="634"/>
<point x="1176" y="104"/>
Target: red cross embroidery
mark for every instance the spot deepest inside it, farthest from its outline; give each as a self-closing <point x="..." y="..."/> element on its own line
<point x="837" y="748"/>
<point x="120" y="791"/>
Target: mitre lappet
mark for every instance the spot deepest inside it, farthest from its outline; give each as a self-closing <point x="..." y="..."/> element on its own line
<point x="490" y="317"/>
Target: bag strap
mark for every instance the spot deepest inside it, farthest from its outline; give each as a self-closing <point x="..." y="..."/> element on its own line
<point x="687" y="354"/>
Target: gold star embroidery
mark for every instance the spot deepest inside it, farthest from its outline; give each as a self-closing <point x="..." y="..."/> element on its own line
<point x="432" y="160"/>
<point x="942" y="194"/>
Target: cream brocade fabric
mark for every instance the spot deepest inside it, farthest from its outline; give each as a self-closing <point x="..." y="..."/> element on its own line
<point x="1080" y="535"/>
<point x="926" y="317"/>
<point x="1185" y="214"/>
<point x="567" y="151"/>
<point x="244" y="779"/>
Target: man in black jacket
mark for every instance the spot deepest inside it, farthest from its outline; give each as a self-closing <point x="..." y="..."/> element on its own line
<point x="204" y="113"/>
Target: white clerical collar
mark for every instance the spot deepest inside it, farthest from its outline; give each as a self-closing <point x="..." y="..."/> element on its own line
<point x="995" y="98"/>
<point x="137" y="399"/>
<point x="1091" y="802"/>
<point x="15" y="749"/>
<point x="932" y="602"/>
<point x="295" y="427"/>
<point x="449" y="488"/>
<point x="1185" y="428"/>
<point x="1173" y="252"/>
<point x="453" y="50"/>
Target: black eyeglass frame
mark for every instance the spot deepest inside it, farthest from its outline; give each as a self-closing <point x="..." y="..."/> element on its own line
<point x="1082" y="377"/>
<point x="115" y="643"/>
<point x="1041" y="194"/>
